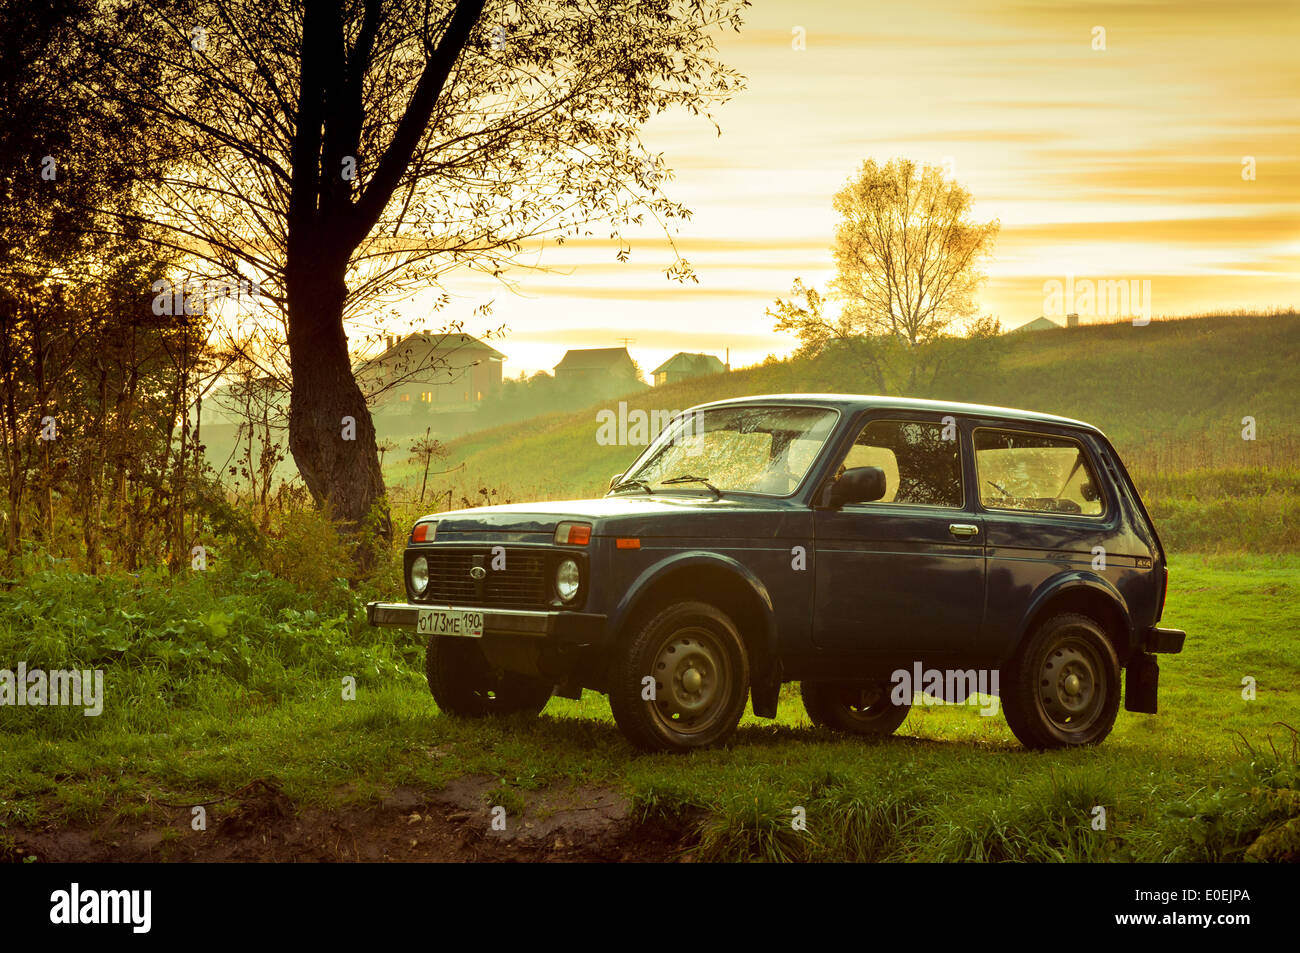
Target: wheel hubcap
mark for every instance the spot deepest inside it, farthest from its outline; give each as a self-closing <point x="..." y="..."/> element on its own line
<point x="1071" y="685"/>
<point x="691" y="680"/>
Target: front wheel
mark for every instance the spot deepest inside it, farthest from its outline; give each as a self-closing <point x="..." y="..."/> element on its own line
<point x="1065" y="685"/>
<point x="464" y="684"/>
<point x="857" y="709"/>
<point x="681" y="681"/>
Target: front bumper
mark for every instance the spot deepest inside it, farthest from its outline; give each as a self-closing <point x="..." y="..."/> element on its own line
<point x="568" y="628"/>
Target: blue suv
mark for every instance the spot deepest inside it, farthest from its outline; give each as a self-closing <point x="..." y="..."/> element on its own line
<point x="873" y="549"/>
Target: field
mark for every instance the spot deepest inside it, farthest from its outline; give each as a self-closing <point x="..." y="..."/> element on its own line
<point x="229" y="686"/>
<point x="256" y="692"/>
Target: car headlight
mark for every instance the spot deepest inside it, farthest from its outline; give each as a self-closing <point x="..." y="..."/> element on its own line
<point x="567" y="580"/>
<point x="419" y="575"/>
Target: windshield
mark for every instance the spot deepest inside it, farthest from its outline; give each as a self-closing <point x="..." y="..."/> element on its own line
<point x="747" y="449"/>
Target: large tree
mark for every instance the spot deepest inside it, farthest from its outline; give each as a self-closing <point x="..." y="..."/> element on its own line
<point x="342" y="152"/>
<point x="907" y="254"/>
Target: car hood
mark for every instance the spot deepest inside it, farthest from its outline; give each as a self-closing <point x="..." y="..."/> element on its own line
<point x="623" y="515"/>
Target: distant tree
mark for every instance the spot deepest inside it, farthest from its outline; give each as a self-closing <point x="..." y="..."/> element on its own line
<point x="907" y="251"/>
<point x="907" y="254"/>
<point x="804" y="315"/>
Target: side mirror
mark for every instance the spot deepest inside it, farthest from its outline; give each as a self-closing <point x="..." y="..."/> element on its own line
<point x="858" y="485"/>
<point x="614" y="480"/>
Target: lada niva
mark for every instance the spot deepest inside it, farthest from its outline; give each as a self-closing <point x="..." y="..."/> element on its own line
<point x="844" y="542"/>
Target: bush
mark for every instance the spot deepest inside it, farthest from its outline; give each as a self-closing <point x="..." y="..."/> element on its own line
<point x="1255" y="816"/>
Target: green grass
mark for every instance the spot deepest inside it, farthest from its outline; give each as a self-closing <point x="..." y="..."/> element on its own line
<point x="1201" y="780"/>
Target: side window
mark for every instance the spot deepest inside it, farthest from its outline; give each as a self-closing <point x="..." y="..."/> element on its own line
<point x="922" y="468"/>
<point x="1026" y="471"/>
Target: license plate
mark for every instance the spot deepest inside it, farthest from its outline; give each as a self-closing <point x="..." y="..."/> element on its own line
<point x="463" y="622"/>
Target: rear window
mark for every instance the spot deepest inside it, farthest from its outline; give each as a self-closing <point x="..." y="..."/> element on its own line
<point x="1035" y="472"/>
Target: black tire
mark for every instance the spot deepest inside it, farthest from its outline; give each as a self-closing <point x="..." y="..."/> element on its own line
<point x="857" y="709"/>
<point x="701" y="672"/>
<point x="1063" y="688"/>
<point x="464" y="684"/>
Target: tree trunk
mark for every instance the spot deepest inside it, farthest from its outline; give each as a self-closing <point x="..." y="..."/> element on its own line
<point x="338" y="460"/>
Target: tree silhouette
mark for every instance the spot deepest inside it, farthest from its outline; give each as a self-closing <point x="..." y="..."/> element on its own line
<point x="342" y="153"/>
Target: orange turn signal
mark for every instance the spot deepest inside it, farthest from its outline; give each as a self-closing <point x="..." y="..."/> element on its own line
<point x="624" y="542"/>
<point x="574" y="534"/>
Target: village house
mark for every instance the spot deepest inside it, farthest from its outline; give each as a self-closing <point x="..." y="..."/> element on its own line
<point x="683" y="365"/>
<point x="597" y="366"/>
<point x="446" y="372"/>
<point x="424" y="381"/>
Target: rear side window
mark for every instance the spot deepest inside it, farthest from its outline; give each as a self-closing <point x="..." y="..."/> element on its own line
<point x="1036" y="472"/>
<point x="922" y="466"/>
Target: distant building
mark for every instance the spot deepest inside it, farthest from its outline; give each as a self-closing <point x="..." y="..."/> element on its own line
<point x="1038" y="324"/>
<point x="682" y="365"/>
<point x="425" y="381"/>
<point x="597" y="366"/>
<point x="446" y="372"/>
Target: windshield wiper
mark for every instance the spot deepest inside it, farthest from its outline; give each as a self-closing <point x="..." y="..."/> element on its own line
<point x="642" y="484"/>
<point x="684" y="478"/>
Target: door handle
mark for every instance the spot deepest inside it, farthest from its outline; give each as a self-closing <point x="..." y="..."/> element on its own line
<point x="964" y="530"/>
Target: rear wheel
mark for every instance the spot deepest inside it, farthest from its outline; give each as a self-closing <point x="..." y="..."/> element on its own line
<point x="681" y="681"/>
<point x="1064" y="687"/>
<point x="857" y="709"/>
<point x="464" y="684"/>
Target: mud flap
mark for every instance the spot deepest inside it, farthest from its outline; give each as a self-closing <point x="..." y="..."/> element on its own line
<point x="763" y="695"/>
<point x="1141" y="683"/>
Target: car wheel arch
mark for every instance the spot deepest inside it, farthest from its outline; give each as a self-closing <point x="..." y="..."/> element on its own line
<point x="1086" y="594"/>
<point x="718" y="580"/>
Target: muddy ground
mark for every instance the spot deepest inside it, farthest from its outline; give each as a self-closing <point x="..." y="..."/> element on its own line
<point x="260" y="823"/>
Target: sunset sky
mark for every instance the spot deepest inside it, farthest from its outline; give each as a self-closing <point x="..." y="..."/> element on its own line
<point x="1121" y="163"/>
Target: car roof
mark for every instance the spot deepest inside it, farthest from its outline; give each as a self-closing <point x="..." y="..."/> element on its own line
<point x="852" y="403"/>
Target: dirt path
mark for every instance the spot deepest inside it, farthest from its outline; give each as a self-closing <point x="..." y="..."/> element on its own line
<point x="453" y="824"/>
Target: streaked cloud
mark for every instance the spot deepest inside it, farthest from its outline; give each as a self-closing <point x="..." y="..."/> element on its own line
<point x="1122" y="163"/>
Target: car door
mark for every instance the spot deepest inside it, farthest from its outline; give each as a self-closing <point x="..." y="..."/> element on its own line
<point x="905" y="574"/>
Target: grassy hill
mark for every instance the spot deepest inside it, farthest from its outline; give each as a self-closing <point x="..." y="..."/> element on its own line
<point x="1171" y="396"/>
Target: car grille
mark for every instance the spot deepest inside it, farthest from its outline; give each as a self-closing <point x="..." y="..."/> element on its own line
<point x="520" y="585"/>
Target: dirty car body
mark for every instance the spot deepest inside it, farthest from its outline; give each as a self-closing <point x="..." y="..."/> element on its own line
<point x="833" y="540"/>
